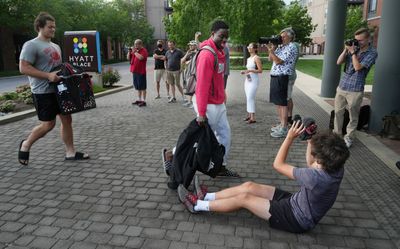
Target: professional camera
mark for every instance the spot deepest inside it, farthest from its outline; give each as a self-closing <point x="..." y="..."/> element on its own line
<point x="309" y="125"/>
<point x="275" y="39"/>
<point x="351" y="42"/>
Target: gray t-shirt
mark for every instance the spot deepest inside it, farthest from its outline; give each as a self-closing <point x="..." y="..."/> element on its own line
<point x="43" y="56"/>
<point x="174" y="59"/>
<point x="318" y="192"/>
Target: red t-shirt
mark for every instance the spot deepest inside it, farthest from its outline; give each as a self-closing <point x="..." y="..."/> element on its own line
<point x="139" y="66"/>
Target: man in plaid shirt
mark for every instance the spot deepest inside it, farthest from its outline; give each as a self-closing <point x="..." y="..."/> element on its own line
<point x="350" y="92"/>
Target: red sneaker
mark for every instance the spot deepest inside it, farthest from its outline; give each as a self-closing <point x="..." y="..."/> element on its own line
<point x="188" y="199"/>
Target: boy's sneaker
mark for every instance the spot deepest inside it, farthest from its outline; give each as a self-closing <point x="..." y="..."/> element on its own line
<point x="137" y="102"/>
<point x="200" y="190"/>
<point x="348" y="142"/>
<point x="226" y="172"/>
<point x="188" y="199"/>
<point x="276" y="128"/>
<point x="172" y="100"/>
<point x="158" y="97"/>
<point x="167" y="165"/>
<point x="143" y="103"/>
<point x="190" y="105"/>
<point x="290" y="120"/>
<point x="398" y="164"/>
<point x="282" y="132"/>
<point x="186" y="104"/>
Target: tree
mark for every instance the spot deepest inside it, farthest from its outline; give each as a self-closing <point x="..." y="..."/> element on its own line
<point x="248" y="20"/>
<point x="354" y="21"/>
<point x="190" y="16"/>
<point x="251" y="19"/>
<point x="296" y="16"/>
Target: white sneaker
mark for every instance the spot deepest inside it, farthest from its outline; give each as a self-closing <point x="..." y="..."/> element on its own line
<point x="282" y="132"/>
<point x="276" y="128"/>
<point x="348" y="142"/>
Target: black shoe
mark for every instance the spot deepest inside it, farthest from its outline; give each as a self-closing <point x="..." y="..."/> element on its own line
<point x="226" y="172"/>
<point x="172" y="185"/>
<point x="398" y="164"/>
<point x="290" y="120"/>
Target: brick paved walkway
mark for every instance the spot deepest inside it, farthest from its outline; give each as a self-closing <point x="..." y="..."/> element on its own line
<point x="119" y="198"/>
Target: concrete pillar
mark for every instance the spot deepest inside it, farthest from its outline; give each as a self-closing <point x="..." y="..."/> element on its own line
<point x="386" y="89"/>
<point x="335" y="25"/>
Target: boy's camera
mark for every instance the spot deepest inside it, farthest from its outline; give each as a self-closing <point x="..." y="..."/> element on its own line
<point x="309" y="125"/>
<point x="351" y="42"/>
<point x="275" y="39"/>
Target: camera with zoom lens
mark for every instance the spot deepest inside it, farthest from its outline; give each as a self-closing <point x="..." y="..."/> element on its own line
<point x="351" y="42"/>
<point x="309" y="125"/>
<point x="275" y="39"/>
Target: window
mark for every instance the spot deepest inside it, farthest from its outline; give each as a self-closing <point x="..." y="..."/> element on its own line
<point x="372" y="8"/>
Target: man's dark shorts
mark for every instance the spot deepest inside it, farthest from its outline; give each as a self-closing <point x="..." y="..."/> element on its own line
<point x="278" y="90"/>
<point x="282" y="216"/>
<point x="46" y="106"/>
<point x="139" y="81"/>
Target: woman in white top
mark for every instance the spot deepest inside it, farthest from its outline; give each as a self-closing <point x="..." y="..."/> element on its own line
<point x="254" y="67"/>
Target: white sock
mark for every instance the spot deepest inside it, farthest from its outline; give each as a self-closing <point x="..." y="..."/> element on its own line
<point x="209" y="197"/>
<point x="202" y="206"/>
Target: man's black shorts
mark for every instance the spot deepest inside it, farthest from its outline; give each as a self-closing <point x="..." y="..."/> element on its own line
<point x="282" y="216"/>
<point x="278" y="90"/>
<point x="46" y="106"/>
<point x="139" y="81"/>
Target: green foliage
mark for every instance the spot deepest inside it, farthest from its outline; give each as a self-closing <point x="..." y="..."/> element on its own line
<point x="7" y="106"/>
<point x="9" y="96"/>
<point x="247" y="19"/>
<point x="25" y="94"/>
<point x="110" y="77"/>
<point x="97" y="88"/>
<point x="120" y="19"/>
<point x="296" y="16"/>
<point x="354" y="21"/>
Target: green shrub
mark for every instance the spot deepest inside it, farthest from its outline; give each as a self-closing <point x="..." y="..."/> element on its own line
<point x="24" y="94"/>
<point x="7" y="106"/>
<point x="9" y="96"/>
<point x="110" y="77"/>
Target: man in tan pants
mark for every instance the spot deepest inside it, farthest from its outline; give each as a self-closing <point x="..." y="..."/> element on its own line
<point x="358" y="57"/>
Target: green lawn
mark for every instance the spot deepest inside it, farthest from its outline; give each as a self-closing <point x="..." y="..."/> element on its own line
<point x="314" y="68"/>
<point x="311" y="67"/>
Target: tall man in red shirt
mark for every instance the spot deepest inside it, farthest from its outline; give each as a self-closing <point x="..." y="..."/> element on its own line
<point x="138" y="59"/>
<point x="209" y="98"/>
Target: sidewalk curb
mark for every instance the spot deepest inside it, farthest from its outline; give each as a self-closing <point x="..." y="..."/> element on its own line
<point x="31" y="112"/>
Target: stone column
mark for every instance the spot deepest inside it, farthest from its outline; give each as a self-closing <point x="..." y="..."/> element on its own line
<point x="333" y="46"/>
<point x="386" y="89"/>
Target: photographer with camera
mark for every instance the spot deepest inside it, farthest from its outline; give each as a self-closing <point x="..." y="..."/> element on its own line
<point x="358" y="57"/>
<point x="296" y="212"/>
<point x="283" y="53"/>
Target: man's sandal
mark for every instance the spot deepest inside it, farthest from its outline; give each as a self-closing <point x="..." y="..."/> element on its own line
<point x="23" y="156"/>
<point x="78" y="156"/>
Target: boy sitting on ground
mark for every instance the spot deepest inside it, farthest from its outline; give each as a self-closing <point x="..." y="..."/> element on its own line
<point x="299" y="212"/>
